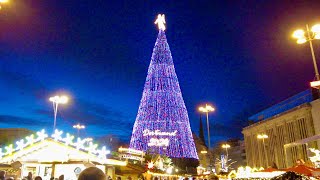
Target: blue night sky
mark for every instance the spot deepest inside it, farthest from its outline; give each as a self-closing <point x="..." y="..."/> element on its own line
<point x="236" y="55"/>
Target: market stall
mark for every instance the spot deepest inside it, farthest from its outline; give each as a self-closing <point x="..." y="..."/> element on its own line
<point x="56" y="155"/>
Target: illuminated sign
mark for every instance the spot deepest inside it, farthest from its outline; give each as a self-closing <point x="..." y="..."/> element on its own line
<point x="159" y="142"/>
<point x="147" y="132"/>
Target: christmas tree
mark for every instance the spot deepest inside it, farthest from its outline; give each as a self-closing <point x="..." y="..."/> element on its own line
<point x="162" y="123"/>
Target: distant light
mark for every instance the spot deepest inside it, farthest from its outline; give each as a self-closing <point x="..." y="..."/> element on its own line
<point x="4" y="1"/>
<point x="59" y="99"/>
<point x="204" y="152"/>
<point x="315" y="84"/>
<point x="262" y="136"/>
<point x="317" y="36"/>
<point x="298" y="34"/>
<point x="301" y="41"/>
<point x="316" y="28"/>
<point x="226" y="146"/>
<point x="207" y="108"/>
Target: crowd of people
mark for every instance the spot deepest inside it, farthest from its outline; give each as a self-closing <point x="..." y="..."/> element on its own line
<point x="91" y="173"/>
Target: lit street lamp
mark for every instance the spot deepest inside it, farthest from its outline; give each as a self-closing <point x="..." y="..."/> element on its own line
<point x="79" y="127"/>
<point x="226" y="146"/>
<point x="309" y="35"/>
<point x="56" y="100"/>
<point x="206" y="110"/>
<point x="264" y="136"/>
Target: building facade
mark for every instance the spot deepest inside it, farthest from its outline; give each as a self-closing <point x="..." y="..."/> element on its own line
<point x="291" y="121"/>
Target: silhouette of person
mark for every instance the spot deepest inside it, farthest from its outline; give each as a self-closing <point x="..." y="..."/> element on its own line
<point x="92" y="173"/>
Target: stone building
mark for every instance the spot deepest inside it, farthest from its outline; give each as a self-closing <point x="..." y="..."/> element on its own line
<point x="292" y="123"/>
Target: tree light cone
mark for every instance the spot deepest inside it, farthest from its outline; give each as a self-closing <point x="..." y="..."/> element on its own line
<point x="162" y="123"/>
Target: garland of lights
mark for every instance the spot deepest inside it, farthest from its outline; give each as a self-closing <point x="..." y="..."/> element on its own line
<point x="80" y="144"/>
<point x="162" y="123"/>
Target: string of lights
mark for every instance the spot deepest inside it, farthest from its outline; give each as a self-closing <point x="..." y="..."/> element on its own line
<point x="162" y="111"/>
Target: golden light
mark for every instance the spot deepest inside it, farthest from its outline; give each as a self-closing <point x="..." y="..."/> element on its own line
<point x="207" y="108"/>
<point x="262" y="136"/>
<point x="301" y="41"/>
<point x="161" y="21"/>
<point x="316" y="28"/>
<point x="315" y="84"/>
<point x="204" y="152"/>
<point x="298" y="34"/>
<point x="226" y="146"/>
<point x="59" y="99"/>
<point x="4" y="1"/>
<point x="79" y="126"/>
<point x="150" y="165"/>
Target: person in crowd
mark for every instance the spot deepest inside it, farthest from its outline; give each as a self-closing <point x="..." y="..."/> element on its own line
<point x="37" y="178"/>
<point x="61" y="177"/>
<point x="29" y="177"/>
<point x="92" y="173"/>
<point x="2" y="175"/>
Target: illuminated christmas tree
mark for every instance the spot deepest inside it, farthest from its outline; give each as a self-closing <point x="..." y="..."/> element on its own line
<point x="162" y="123"/>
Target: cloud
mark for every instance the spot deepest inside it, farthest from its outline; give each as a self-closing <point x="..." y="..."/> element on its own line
<point x="10" y="120"/>
<point x="23" y="83"/>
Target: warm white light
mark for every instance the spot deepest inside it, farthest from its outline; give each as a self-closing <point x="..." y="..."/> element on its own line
<point x="20" y="144"/>
<point x="68" y="139"/>
<point x="9" y="149"/>
<point x="169" y="170"/>
<point x="80" y="143"/>
<point x="150" y="165"/>
<point x="103" y="152"/>
<point x="161" y="21"/>
<point x="92" y="148"/>
<point x="262" y="136"/>
<point x="207" y="108"/>
<point x="30" y="139"/>
<point x="316" y="28"/>
<point x="79" y="126"/>
<point x="57" y="135"/>
<point x="59" y="99"/>
<point x="298" y="34"/>
<point x="4" y="1"/>
<point x="225" y="146"/>
<point x="301" y="41"/>
<point x="41" y="135"/>
<point x="204" y="152"/>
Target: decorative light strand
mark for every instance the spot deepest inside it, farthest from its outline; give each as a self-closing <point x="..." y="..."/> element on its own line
<point x="57" y="136"/>
<point x="162" y="113"/>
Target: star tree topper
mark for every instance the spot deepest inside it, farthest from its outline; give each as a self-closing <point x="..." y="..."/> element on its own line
<point x="161" y="21"/>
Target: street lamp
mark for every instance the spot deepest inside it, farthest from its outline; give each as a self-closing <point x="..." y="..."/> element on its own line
<point x="264" y="136"/>
<point x="309" y="35"/>
<point x="226" y="146"/>
<point x="79" y="127"/>
<point x="56" y="100"/>
<point x="206" y="110"/>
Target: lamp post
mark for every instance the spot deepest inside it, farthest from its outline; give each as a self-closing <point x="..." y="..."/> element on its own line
<point x="79" y="127"/>
<point x="56" y="100"/>
<point x="309" y="35"/>
<point x="264" y="136"/>
<point x="206" y="110"/>
<point x="226" y="146"/>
